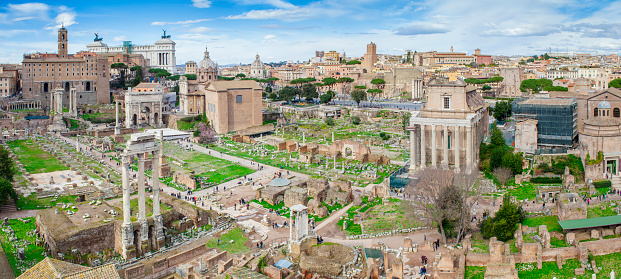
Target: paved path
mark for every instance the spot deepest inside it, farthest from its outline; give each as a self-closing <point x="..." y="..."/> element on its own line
<point x="334" y="217"/>
<point x="6" y="271"/>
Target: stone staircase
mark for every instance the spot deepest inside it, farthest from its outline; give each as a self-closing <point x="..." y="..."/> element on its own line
<point x="616" y="182"/>
<point x="222" y="223"/>
<point x="9" y="207"/>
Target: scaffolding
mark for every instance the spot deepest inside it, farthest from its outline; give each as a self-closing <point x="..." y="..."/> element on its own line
<point x="557" y="125"/>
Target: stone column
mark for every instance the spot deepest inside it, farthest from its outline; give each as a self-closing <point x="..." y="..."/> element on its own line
<point x="129" y="251"/>
<point x="116" y="124"/>
<point x="457" y="149"/>
<point x="332" y="137"/>
<point x="423" y="148"/>
<point x="70" y="101"/>
<point x="156" y="183"/>
<point x="334" y="161"/>
<point x="445" y="143"/>
<point x="142" y="218"/>
<point x="412" y="150"/>
<point x="303" y="137"/>
<point x="434" y="152"/>
<point x="469" y="149"/>
<point x="126" y="190"/>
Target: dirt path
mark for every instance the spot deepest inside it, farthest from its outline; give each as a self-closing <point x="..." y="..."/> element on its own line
<point x="6" y="271"/>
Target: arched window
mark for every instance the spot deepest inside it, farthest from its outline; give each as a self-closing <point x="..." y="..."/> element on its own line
<point x="595" y="112"/>
<point x="616" y="113"/>
<point x="88" y="86"/>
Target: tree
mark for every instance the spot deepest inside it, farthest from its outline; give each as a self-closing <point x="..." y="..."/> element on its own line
<point x="503" y="174"/>
<point x="347" y="81"/>
<point x="486" y="88"/>
<point x="268" y="89"/>
<point x="353" y="62"/>
<point x="287" y="93"/>
<point x="616" y="83"/>
<point x="207" y="134"/>
<point x="121" y="68"/>
<point x="355" y="120"/>
<point x="504" y="224"/>
<point x="137" y="75"/>
<point x="7" y="169"/>
<point x="6" y="191"/>
<point x="502" y="110"/>
<point x="434" y="196"/>
<point x="360" y="87"/>
<point x="240" y="75"/>
<point x="497" y="139"/>
<point x="309" y="91"/>
<point x="379" y="85"/>
<point x="325" y="98"/>
<point x="272" y="96"/>
<point x="358" y="95"/>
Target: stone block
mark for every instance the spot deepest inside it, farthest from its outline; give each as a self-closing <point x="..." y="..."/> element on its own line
<point x="295" y="195"/>
<point x="272" y="272"/>
<point x="618" y="230"/>
<point x="570" y="238"/>
<point x="579" y="271"/>
<point x="594" y="234"/>
<point x="407" y="242"/>
<point x="224" y="265"/>
<point x="446" y="263"/>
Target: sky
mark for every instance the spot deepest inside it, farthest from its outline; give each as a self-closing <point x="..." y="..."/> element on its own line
<point x="280" y="30"/>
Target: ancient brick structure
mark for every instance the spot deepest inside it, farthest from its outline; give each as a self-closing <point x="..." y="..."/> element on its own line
<point x="295" y="195"/>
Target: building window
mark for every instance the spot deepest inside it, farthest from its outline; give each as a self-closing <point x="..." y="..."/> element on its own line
<point x="239" y="99"/>
<point x="447" y="103"/>
<point x="616" y="113"/>
<point x="595" y="112"/>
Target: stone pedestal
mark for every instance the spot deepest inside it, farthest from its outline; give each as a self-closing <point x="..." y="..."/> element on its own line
<point x="129" y="250"/>
<point x="158" y="222"/>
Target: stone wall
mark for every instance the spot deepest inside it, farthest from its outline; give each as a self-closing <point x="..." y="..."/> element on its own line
<point x="186" y="255"/>
<point x="185" y="178"/>
<point x="295" y="196"/>
<point x="200" y="216"/>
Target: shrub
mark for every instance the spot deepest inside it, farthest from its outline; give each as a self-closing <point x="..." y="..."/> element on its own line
<point x="602" y="184"/>
<point x="187" y="119"/>
<point x="384" y="136"/>
<point x="355" y="120"/>
<point x="504" y="224"/>
<point x="329" y="121"/>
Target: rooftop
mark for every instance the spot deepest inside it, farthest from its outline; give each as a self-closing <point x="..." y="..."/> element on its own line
<point x="590" y="222"/>
<point x="547" y="101"/>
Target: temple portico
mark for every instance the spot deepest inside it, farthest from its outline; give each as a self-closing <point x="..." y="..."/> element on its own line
<point x="452" y="117"/>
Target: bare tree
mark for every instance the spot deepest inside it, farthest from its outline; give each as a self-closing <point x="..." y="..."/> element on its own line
<point x="503" y="174"/>
<point x="445" y="196"/>
<point x="427" y="195"/>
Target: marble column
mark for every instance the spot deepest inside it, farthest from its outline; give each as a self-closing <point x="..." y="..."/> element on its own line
<point x="155" y="166"/>
<point x="412" y="150"/>
<point x="445" y="143"/>
<point x="434" y="152"/>
<point x="469" y="149"/>
<point x="142" y="218"/>
<point x="334" y="161"/>
<point x="126" y="190"/>
<point x="70" y="101"/>
<point x="423" y="148"/>
<point x="457" y="149"/>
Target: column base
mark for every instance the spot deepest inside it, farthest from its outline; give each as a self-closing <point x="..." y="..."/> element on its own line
<point x="129" y="251"/>
<point x="444" y="166"/>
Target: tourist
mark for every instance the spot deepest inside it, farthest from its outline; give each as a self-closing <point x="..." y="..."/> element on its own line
<point x="261" y="244"/>
<point x="423" y="270"/>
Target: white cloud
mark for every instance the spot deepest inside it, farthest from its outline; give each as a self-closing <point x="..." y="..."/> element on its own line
<point x="10" y="33"/>
<point x="200" y="29"/>
<point x="120" y="38"/>
<point x="291" y="15"/>
<point x="422" y="28"/>
<point x="180" y="22"/>
<point x="63" y="19"/>
<point x="23" y="18"/>
<point x="201" y="3"/>
<point x="269" y="37"/>
<point x="29" y="8"/>
<point x="276" y="3"/>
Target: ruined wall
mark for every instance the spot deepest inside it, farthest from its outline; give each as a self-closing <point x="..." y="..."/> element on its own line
<point x="200" y="216"/>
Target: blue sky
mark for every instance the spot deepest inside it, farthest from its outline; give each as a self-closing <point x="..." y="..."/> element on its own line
<point x="235" y="30"/>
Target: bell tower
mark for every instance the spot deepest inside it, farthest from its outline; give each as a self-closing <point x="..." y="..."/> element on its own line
<point x="62" y="42"/>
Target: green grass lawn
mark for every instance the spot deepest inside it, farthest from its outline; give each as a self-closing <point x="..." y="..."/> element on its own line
<point x="526" y="191"/>
<point x="550" y="221"/>
<point x="35" y="160"/>
<point x="556" y="243"/>
<point x="32" y="202"/>
<point x="238" y="245"/>
<point x="34" y="253"/>
<point x="182" y="125"/>
<point x="475" y="272"/>
<point x="595" y="210"/>
<point x="605" y="263"/>
<point x="226" y="173"/>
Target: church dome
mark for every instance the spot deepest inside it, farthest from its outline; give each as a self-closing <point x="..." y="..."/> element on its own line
<point x="603" y="105"/>
<point x="207" y="63"/>
<point x="257" y="63"/>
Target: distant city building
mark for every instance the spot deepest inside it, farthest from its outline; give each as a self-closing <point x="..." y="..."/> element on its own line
<point x="332" y="55"/>
<point x="370" y="58"/>
<point x="9" y="79"/>
<point x="190" y="68"/>
<point x="161" y="54"/>
<point x="257" y="69"/>
<point x="84" y="71"/>
<point x="512" y="79"/>
<point x="207" y="69"/>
